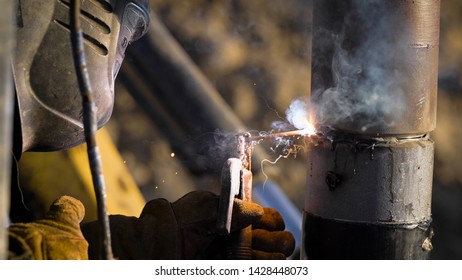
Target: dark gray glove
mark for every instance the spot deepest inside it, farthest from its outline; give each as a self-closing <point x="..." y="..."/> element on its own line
<point x="186" y="229"/>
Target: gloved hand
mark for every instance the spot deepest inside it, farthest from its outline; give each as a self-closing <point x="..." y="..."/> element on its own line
<point x="186" y="229"/>
<point x="57" y="236"/>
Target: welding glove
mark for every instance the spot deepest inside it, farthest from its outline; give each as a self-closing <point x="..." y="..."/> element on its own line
<point x="186" y="229"/>
<point x="57" y="236"/>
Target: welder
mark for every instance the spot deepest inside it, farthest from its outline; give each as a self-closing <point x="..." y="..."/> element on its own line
<point x="49" y="118"/>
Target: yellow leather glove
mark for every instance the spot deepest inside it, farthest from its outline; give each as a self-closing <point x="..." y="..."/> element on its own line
<point x="55" y="237"/>
<point x="186" y="229"/>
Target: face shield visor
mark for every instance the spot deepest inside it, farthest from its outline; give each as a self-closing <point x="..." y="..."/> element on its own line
<point x="49" y="99"/>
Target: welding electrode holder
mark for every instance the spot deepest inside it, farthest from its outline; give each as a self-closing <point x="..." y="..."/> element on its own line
<point x="236" y="182"/>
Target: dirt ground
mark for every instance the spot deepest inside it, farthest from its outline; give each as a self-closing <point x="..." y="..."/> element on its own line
<point x="257" y="55"/>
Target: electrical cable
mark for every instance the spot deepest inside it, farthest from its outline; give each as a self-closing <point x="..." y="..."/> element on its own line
<point x="90" y="127"/>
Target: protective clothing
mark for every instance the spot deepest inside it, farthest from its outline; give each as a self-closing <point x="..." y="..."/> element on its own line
<point x="186" y="229"/>
<point x="56" y="236"/>
<point x="49" y="99"/>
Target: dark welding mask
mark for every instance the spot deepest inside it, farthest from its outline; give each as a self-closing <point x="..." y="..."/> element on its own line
<point x="50" y="106"/>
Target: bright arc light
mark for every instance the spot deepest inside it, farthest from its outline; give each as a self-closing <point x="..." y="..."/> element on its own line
<point x="308" y="129"/>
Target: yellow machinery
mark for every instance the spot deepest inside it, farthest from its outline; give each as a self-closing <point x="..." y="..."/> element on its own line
<point x="52" y="174"/>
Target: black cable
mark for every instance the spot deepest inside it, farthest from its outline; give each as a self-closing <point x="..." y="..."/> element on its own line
<point x="90" y="127"/>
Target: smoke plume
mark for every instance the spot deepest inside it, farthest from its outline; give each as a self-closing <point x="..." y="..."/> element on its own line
<point x="365" y="87"/>
<point x="298" y="113"/>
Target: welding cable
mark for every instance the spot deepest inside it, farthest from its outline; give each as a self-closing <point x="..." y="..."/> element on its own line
<point x="90" y="127"/>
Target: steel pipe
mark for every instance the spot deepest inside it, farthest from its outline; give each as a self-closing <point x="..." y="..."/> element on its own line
<point x="382" y="182"/>
<point x="375" y="65"/>
<point x="374" y="87"/>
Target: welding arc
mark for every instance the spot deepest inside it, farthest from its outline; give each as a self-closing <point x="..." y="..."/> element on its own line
<point x="90" y="127"/>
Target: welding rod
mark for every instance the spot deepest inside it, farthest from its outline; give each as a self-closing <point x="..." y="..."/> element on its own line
<point x="301" y="132"/>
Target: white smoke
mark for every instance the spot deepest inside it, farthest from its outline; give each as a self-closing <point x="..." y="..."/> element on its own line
<point x="366" y="87"/>
<point x="298" y="113"/>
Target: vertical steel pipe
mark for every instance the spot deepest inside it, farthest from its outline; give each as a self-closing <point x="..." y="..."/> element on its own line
<point x="374" y="88"/>
<point x="380" y="58"/>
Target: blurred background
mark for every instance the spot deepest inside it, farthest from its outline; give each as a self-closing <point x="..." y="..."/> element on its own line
<point x="256" y="56"/>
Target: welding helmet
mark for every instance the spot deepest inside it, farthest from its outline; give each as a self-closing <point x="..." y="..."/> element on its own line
<point x="48" y="96"/>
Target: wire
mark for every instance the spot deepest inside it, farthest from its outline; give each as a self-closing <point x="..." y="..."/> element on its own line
<point x="90" y="127"/>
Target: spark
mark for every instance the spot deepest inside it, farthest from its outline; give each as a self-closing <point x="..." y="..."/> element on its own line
<point x="309" y="129"/>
